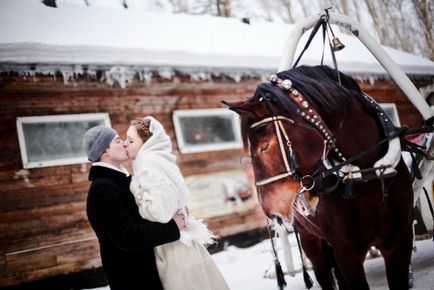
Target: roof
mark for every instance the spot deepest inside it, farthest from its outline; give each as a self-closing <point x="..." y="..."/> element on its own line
<point x="72" y="35"/>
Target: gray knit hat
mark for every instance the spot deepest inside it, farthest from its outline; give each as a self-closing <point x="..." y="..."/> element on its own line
<point x="96" y="140"/>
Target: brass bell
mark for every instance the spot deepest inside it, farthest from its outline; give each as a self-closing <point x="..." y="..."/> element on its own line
<point x="337" y="44"/>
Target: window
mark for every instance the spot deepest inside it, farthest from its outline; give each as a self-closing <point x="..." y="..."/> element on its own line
<point x="220" y="193"/>
<point x="207" y="130"/>
<point x="390" y="109"/>
<point x="56" y="139"/>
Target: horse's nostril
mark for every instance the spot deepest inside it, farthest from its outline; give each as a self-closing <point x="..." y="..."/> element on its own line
<point x="277" y="219"/>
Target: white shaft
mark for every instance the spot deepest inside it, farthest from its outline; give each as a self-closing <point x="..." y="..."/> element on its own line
<point x="371" y="44"/>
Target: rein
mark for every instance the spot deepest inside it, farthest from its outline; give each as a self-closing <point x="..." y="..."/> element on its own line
<point x="325" y="173"/>
<point x="307" y="182"/>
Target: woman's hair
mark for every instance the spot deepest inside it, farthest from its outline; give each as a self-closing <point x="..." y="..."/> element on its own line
<point x="142" y="127"/>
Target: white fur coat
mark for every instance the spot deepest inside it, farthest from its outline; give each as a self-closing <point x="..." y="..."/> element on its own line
<point x="159" y="187"/>
<point x="160" y="191"/>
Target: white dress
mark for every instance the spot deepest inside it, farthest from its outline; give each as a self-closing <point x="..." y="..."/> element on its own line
<point x="160" y="191"/>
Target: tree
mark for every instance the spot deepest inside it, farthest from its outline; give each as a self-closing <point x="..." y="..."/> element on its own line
<point x="223" y="8"/>
<point x="425" y="12"/>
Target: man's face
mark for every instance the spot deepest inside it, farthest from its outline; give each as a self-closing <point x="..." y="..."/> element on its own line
<point x="116" y="151"/>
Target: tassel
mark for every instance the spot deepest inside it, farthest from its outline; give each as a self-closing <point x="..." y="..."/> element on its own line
<point x="307" y="280"/>
<point x="293" y="162"/>
<point x="279" y="275"/>
<point x="349" y="186"/>
<point x="430" y="207"/>
<point x="415" y="168"/>
<point x="349" y="189"/>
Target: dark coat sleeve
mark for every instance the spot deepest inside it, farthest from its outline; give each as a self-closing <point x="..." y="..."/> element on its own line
<point x="112" y="214"/>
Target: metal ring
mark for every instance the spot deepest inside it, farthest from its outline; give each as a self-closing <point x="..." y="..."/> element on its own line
<point x="302" y="183"/>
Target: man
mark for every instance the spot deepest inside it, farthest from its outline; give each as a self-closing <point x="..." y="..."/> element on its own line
<point x="126" y="240"/>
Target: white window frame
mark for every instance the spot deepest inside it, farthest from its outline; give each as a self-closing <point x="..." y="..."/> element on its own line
<point x="188" y="148"/>
<point x="53" y="119"/>
<point x="392" y="111"/>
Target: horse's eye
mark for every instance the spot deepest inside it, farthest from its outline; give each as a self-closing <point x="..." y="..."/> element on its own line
<point x="264" y="148"/>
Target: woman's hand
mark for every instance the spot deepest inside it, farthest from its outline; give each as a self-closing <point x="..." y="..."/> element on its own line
<point x="179" y="218"/>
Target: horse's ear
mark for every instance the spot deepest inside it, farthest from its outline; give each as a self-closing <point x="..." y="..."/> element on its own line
<point x="246" y="110"/>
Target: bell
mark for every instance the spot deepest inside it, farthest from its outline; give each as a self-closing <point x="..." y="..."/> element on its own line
<point x="337" y="44"/>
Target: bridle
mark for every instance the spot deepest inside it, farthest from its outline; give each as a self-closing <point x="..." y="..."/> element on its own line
<point x="280" y="130"/>
<point x="307" y="112"/>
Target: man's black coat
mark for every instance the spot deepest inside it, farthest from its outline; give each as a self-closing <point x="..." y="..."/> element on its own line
<point x="126" y="240"/>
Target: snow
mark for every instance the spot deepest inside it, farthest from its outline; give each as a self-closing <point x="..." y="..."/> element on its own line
<point x="32" y="33"/>
<point x="245" y="268"/>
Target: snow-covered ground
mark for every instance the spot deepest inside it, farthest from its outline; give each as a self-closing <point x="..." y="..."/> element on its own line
<point x="245" y="268"/>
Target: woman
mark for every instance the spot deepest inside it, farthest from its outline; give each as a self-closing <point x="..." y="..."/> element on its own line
<point x="160" y="191"/>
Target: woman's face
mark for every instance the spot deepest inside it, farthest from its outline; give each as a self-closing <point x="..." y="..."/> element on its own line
<point x="133" y="142"/>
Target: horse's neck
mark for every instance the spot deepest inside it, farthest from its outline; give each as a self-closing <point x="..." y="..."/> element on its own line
<point x="356" y="132"/>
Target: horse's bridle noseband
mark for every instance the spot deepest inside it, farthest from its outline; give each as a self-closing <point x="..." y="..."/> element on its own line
<point x="306" y="182"/>
<point x="277" y="121"/>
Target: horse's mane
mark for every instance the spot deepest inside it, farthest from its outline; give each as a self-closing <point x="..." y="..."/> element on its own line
<point x="319" y="85"/>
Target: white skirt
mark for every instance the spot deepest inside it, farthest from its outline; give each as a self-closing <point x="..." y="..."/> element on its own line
<point x="184" y="267"/>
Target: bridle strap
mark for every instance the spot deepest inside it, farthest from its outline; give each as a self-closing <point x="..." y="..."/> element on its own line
<point x="273" y="179"/>
<point x="281" y="145"/>
<point x="321" y="22"/>
<point x="270" y="119"/>
<point x="280" y="130"/>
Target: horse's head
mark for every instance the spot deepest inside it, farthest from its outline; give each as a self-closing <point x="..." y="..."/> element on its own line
<point x="285" y="148"/>
<point x="288" y="138"/>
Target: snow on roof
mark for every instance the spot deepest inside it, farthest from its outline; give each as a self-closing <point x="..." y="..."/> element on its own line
<point x="32" y="33"/>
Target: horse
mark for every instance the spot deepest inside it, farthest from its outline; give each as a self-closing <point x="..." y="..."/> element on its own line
<point x="314" y="140"/>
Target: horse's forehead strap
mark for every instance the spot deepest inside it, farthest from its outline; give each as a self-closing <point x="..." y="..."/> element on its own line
<point x="306" y="110"/>
<point x="271" y="119"/>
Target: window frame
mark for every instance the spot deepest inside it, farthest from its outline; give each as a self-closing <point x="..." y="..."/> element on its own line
<point x="53" y="119"/>
<point x="188" y="148"/>
<point x="392" y="108"/>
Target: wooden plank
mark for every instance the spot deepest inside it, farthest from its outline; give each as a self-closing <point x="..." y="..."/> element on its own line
<point x="56" y="260"/>
<point x="30" y="197"/>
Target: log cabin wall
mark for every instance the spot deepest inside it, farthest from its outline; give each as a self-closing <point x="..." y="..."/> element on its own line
<point x="43" y="225"/>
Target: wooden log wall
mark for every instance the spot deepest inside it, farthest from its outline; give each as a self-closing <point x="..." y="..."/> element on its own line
<point x="43" y="225"/>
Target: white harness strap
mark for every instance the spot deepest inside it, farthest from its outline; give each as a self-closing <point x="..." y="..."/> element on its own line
<point x="278" y="125"/>
<point x="270" y="119"/>
<point x="277" y="121"/>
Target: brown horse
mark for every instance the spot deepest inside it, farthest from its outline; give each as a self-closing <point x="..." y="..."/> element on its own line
<point x="314" y="142"/>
